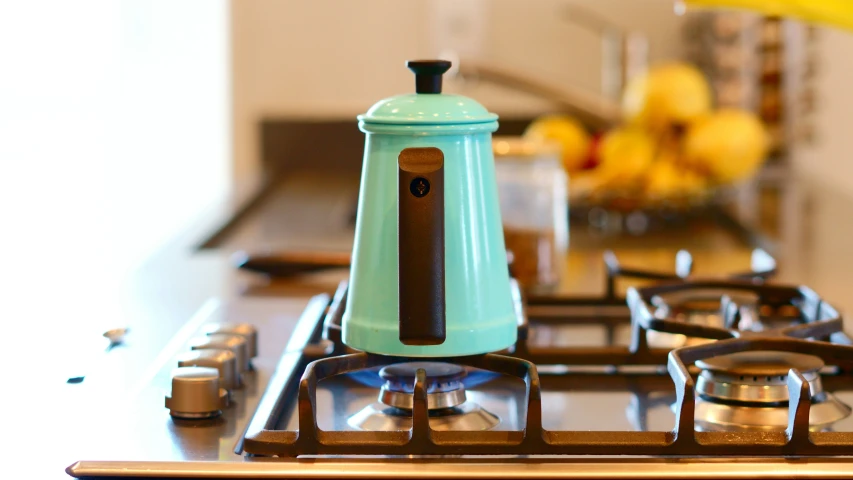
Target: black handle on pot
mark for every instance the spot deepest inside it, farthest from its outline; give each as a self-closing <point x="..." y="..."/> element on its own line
<point x="420" y="227"/>
<point x="428" y="74"/>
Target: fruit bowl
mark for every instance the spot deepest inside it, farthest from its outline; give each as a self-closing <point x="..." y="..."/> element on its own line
<point x="672" y="151"/>
<point x="587" y="194"/>
<point x="632" y="211"/>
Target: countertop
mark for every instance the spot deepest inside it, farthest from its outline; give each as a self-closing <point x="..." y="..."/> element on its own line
<point x="51" y="421"/>
<point x="802" y="223"/>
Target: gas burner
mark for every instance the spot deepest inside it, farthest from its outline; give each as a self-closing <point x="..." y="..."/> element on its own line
<point x="748" y="391"/>
<point x="706" y="307"/>
<point x="444" y="390"/>
<point x="446" y="400"/>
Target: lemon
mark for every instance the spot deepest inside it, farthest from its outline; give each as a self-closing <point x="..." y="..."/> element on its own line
<point x="662" y="181"/>
<point x="574" y="140"/>
<point x="666" y="95"/>
<point x="666" y="180"/>
<point x="729" y="145"/>
<point x="625" y="155"/>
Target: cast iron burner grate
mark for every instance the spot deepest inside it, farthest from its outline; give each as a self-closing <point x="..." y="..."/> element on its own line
<point x="816" y="331"/>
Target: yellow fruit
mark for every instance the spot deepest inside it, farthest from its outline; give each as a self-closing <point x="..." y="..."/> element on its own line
<point x="729" y="145"/>
<point x="574" y="140"/>
<point x="625" y="154"/>
<point x="662" y="181"/>
<point x="667" y="180"/>
<point x="692" y="182"/>
<point x="669" y="94"/>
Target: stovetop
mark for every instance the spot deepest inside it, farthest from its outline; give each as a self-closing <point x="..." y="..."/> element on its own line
<point x="595" y="385"/>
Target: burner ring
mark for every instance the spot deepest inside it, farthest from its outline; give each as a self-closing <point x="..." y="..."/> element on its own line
<point x="712" y="416"/>
<point x="469" y="417"/>
<point x="443" y="384"/>
<point x="754" y="389"/>
<point x="435" y="401"/>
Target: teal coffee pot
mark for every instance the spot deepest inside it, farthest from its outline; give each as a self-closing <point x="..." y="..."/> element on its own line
<point x="429" y="273"/>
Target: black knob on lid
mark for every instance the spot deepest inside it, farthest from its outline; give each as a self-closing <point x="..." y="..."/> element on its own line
<point x="428" y="74"/>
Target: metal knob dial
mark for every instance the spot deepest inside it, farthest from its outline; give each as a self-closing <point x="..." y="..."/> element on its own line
<point x="224" y="361"/>
<point x="196" y="393"/>
<point x="225" y="341"/>
<point x="245" y="329"/>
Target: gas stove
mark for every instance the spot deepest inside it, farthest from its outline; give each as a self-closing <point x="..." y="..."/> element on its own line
<point x="735" y="376"/>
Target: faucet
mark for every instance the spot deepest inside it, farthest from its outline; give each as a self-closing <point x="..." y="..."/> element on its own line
<point x="624" y="54"/>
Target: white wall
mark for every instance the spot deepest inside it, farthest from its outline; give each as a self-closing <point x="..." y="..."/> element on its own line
<point x="114" y="133"/>
<point x="334" y="58"/>
<point x="314" y="58"/>
<point x="831" y="157"/>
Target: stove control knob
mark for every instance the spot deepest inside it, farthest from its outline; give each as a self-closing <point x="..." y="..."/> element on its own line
<point x="196" y="393"/>
<point x="225" y="341"/>
<point x="223" y="361"/>
<point x="245" y="329"/>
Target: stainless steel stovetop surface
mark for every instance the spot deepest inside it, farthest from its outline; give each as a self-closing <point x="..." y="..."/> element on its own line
<point x="152" y="444"/>
<point x="145" y="432"/>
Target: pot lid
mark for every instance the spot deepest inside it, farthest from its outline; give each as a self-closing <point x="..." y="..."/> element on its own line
<point x="428" y="106"/>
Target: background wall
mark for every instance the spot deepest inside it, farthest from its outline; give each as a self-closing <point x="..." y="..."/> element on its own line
<point x="335" y="58"/>
<point x="830" y="158"/>
<point x="114" y="135"/>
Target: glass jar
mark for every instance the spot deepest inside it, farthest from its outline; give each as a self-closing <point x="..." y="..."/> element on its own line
<point x="533" y="194"/>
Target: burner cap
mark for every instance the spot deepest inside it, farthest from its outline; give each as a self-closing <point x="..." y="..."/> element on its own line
<point x="436" y="372"/>
<point x="761" y="364"/>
